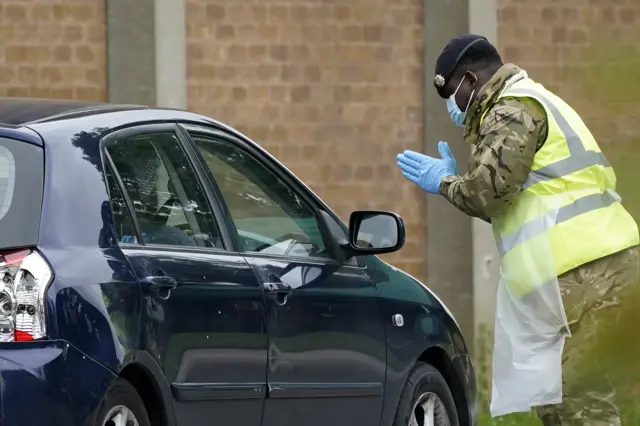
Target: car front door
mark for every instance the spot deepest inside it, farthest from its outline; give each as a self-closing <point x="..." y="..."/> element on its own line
<point x="203" y="316"/>
<point x="327" y="358"/>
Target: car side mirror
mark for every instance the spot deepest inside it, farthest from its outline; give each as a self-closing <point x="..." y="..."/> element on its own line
<point x="375" y="232"/>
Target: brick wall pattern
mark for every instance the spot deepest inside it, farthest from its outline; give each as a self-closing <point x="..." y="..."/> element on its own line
<point x="53" y="49"/>
<point x="587" y="51"/>
<point x="332" y="89"/>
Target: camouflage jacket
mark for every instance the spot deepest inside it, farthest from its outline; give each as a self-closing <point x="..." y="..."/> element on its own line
<point x="503" y="149"/>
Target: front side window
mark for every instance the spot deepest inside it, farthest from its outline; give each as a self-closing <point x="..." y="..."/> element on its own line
<point x="269" y="216"/>
<point x="168" y="200"/>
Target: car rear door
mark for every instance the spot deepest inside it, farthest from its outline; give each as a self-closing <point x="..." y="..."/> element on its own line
<point x="203" y="314"/>
<point x="327" y="356"/>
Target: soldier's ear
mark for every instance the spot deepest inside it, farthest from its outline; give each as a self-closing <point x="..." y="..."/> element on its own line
<point x="471" y="79"/>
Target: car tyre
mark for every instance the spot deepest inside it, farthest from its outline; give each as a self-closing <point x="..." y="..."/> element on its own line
<point x="122" y="402"/>
<point x="425" y="396"/>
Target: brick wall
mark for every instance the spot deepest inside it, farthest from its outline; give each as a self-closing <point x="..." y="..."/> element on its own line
<point x="52" y="48"/>
<point x="333" y="89"/>
<point x="587" y="51"/>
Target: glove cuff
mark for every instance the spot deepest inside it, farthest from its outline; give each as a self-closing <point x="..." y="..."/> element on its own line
<point x="444" y="174"/>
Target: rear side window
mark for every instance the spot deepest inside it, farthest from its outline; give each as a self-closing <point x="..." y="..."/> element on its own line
<point x="121" y="214"/>
<point x="168" y="201"/>
<point x="21" y="186"/>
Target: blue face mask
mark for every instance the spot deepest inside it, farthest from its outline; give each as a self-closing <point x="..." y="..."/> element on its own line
<point x="458" y="116"/>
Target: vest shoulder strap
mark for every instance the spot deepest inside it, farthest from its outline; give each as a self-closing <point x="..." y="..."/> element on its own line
<point x="580" y="157"/>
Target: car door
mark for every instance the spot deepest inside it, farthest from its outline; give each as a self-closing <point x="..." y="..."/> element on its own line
<point x="327" y="355"/>
<point x="203" y="316"/>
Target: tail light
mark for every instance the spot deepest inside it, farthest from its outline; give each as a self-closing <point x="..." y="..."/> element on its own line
<point x="25" y="276"/>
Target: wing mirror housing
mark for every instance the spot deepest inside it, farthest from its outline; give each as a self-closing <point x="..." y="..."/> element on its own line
<point x="371" y="232"/>
<point x="374" y="232"/>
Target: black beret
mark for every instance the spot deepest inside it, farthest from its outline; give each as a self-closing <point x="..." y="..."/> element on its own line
<point x="450" y="56"/>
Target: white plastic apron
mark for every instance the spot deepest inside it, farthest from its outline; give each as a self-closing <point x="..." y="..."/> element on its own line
<point x="529" y="331"/>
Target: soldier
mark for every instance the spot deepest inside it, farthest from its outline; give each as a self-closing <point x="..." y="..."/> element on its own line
<point x="567" y="245"/>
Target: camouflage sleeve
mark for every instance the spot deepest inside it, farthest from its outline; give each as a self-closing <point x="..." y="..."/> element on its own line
<point x="512" y="131"/>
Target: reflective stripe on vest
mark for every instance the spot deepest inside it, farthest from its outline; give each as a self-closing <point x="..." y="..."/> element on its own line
<point x="579" y="159"/>
<point x="542" y="224"/>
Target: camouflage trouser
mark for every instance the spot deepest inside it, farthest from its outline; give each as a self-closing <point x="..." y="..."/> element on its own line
<point x="589" y="293"/>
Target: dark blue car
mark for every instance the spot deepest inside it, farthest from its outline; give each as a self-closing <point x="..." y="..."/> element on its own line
<point x="159" y="268"/>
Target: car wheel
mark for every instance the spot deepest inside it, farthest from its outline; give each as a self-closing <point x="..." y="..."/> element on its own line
<point x="426" y="400"/>
<point x="122" y="406"/>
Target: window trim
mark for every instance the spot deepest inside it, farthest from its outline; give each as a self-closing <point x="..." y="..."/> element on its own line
<point x="288" y="179"/>
<point x="212" y="191"/>
<point x="219" y="218"/>
<point x="127" y="201"/>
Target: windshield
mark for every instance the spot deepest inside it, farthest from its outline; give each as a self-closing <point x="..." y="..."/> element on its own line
<point x="21" y="186"/>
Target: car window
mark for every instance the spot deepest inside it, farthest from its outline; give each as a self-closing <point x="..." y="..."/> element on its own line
<point x="7" y="179"/>
<point x="269" y="216"/>
<point x="169" y="203"/>
<point x="121" y="214"/>
<point x="21" y="188"/>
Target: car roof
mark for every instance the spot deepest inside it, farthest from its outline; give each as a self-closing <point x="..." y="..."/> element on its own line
<point x="22" y="111"/>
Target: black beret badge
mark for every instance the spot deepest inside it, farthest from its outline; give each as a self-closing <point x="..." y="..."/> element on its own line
<point x="438" y="80"/>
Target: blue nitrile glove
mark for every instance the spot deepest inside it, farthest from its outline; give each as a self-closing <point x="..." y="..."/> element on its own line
<point x="132" y="240"/>
<point x="427" y="172"/>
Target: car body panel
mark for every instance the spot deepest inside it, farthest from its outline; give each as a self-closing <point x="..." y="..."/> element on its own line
<point x="66" y="383"/>
<point x="104" y="316"/>
<point x="23" y="134"/>
<point x="427" y="326"/>
<point x="208" y="334"/>
<point x="326" y="343"/>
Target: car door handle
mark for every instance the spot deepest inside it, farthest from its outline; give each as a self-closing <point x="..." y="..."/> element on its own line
<point x="278" y="291"/>
<point x="277" y="288"/>
<point x="160" y="282"/>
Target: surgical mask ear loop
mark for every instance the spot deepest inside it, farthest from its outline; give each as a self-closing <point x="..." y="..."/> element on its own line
<point x="458" y="88"/>
<point x="469" y="103"/>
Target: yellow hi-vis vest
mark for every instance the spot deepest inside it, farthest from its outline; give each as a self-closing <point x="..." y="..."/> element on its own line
<point x="568" y="212"/>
